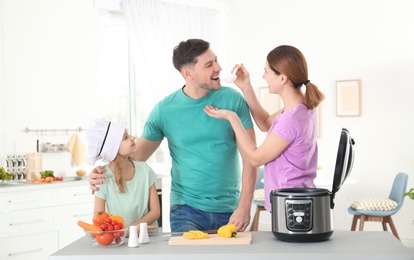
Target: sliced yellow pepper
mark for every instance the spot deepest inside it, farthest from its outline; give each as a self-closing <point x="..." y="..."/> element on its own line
<point x="195" y="234"/>
<point x="227" y="231"/>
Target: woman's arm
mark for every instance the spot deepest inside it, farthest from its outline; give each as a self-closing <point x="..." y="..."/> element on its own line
<point x="271" y="148"/>
<point x="262" y="118"/>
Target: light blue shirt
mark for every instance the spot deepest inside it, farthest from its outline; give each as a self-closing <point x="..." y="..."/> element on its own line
<point x="133" y="204"/>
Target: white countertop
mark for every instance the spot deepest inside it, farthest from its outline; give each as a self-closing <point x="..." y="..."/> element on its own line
<point x="67" y="182"/>
<point x="18" y="186"/>
<point x="342" y="245"/>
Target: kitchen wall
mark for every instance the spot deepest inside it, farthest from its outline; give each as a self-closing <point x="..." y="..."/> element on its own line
<point x="49" y="74"/>
<point x="49" y="60"/>
<point x="367" y="40"/>
<point x="2" y="88"/>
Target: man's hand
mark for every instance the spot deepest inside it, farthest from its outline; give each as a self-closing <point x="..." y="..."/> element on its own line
<point x="95" y="177"/>
<point x="241" y="218"/>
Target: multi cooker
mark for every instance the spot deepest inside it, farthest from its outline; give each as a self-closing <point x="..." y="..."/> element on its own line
<point x="306" y="214"/>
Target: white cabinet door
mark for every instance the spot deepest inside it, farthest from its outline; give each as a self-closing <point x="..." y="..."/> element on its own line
<point x="69" y="215"/>
<point x="75" y="203"/>
<point x="37" y="246"/>
<point x="11" y="201"/>
<point x="75" y="195"/>
<point x="30" y="221"/>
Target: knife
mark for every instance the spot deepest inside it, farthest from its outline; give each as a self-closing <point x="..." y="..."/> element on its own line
<point x="176" y="234"/>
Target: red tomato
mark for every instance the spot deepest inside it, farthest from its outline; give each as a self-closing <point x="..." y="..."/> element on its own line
<point x="104" y="239"/>
<point x="117" y="227"/>
<point x="108" y="220"/>
<point x="119" y="220"/>
<point x="118" y="240"/>
<point x="99" y="218"/>
<point x="104" y="226"/>
<point x="117" y="234"/>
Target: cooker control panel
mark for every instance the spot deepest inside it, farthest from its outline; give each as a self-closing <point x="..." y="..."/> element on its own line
<point x="298" y="214"/>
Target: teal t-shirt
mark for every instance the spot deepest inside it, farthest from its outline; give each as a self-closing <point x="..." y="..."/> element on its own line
<point x="133" y="204"/>
<point x="205" y="169"/>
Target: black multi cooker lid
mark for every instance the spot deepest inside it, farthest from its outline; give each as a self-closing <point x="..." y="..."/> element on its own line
<point x="344" y="160"/>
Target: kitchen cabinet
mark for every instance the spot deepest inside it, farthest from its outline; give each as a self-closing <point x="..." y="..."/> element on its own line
<point x="34" y="246"/>
<point x="75" y="203"/>
<point x="39" y="219"/>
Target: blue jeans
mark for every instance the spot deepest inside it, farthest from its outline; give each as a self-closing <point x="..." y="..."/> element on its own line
<point x="184" y="218"/>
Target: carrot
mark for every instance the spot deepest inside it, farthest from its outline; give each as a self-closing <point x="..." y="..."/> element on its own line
<point x="88" y="226"/>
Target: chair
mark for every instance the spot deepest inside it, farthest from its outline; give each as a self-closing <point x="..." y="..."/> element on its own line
<point x="257" y="200"/>
<point x="397" y="194"/>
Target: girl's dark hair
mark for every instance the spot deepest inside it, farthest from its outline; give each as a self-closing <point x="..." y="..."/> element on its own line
<point x="186" y="52"/>
<point x="291" y="62"/>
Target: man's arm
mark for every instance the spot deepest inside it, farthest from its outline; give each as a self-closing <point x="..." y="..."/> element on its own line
<point x="241" y="216"/>
<point x="144" y="148"/>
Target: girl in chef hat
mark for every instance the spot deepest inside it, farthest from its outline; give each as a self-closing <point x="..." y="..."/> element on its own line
<point x="129" y="190"/>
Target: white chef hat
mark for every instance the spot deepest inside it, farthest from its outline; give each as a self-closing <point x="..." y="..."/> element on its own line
<point x="103" y="139"/>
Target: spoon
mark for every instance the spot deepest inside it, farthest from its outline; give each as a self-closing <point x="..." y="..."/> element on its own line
<point x="232" y="77"/>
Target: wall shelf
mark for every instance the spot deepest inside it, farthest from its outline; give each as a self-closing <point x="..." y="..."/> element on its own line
<point x="53" y="131"/>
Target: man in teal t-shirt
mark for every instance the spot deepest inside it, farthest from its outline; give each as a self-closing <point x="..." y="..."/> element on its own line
<point x="208" y="189"/>
<point x="205" y="170"/>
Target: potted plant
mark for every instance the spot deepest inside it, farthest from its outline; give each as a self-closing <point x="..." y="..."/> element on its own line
<point x="410" y="193"/>
<point x="5" y="176"/>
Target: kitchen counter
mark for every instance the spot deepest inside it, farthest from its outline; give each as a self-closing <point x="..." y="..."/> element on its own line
<point x="342" y="245"/>
<point x="27" y="186"/>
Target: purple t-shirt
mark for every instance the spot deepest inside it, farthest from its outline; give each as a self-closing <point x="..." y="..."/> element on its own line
<point x="296" y="166"/>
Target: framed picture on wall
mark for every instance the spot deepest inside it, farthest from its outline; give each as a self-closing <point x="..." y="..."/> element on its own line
<point x="319" y="120"/>
<point x="270" y="102"/>
<point x="348" y="97"/>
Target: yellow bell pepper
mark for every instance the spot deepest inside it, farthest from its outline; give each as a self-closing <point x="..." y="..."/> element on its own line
<point x="227" y="231"/>
<point x="195" y="234"/>
<point x="119" y="219"/>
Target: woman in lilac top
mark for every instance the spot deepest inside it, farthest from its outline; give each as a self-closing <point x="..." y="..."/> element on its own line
<point x="290" y="151"/>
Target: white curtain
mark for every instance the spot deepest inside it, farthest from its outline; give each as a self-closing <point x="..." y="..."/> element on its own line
<point x="155" y="27"/>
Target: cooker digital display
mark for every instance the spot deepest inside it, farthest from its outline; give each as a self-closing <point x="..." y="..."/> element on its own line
<point x="298" y="214"/>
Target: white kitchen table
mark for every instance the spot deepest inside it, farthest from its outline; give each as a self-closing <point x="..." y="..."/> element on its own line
<point x="342" y="245"/>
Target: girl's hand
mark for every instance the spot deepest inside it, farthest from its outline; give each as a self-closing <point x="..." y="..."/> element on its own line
<point x="151" y="229"/>
<point x="218" y="113"/>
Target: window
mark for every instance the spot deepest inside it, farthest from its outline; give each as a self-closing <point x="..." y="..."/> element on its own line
<point x="114" y="66"/>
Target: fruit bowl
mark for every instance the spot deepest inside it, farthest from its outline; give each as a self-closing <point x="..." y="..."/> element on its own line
<point x="112" y="238"/>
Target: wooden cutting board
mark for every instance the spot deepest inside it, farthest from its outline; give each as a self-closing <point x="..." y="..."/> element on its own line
<point x="242" y="238"/>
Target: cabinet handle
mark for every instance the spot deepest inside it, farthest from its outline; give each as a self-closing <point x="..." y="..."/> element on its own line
<point x="19" y="201"/>
<point x="82" y="215"/>
<point x="25" y="252"/>
<point x="26" y="222"/>
<point x="81" y="194"/>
